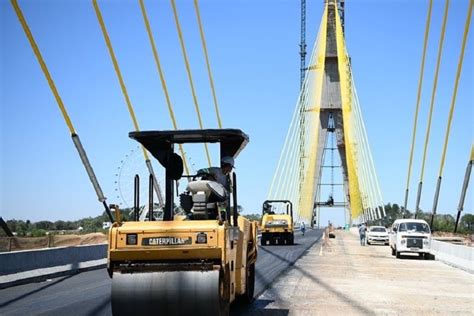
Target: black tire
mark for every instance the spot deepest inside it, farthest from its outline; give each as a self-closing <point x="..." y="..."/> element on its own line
<point x="224" y="301"/>
<point x="248" y="297"/>
<point x="263" y="241"/>
<point x="397" y="254"/>
<point x="368" y="242"/>
<point x="393" y="251"/>
<point x="292" y="239"/>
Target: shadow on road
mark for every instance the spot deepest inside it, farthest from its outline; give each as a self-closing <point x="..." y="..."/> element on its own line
<point x="101" y="308"/>
<point x="50" y="284"/>
<point x="363" y="310"/>
<point x="258" y="308"/>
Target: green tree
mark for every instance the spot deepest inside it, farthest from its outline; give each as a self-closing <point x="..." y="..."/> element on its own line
<point x="466" y="224"/>
<point x="44" y="225"/>
<point x="64" y="225"/>
<point x="252" y="217"/>
<point x="38" y="233"/>
<point x="443" y="222"/>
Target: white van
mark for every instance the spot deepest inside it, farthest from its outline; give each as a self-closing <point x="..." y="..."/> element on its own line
<point x="410" y="235"/>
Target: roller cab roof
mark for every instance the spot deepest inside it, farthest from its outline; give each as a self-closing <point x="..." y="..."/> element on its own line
<point x="232" y="141"/>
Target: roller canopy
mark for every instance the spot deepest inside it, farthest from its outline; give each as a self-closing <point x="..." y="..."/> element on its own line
<point x="158" y="143"/>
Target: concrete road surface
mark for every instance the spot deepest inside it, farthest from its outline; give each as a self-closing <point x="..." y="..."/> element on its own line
<point x="344" y="278"/>
<point x="88" y="293"/>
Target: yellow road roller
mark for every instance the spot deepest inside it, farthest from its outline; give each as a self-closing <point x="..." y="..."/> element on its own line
<point x="277" y="228"/>
<point x="195" y="263"/>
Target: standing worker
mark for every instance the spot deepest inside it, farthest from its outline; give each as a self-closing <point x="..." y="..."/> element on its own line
<point x="362" y="230"/>
<point x="303" y="227"/>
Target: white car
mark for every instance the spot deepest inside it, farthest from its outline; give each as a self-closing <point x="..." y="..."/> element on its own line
<point x="410" y="236"/>
<point x="377" y="234"/>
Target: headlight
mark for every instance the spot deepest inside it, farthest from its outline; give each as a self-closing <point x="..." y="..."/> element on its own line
<point x="201" y="238"/>
<point x="131" y="239"/>
<point x="426" y="241"/>
<point x="404" y="241"/>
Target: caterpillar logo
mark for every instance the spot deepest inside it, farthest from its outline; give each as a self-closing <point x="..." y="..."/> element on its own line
<point x="164" y="241"/>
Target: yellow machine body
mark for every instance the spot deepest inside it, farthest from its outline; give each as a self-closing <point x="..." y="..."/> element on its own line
<point x="173" y="246"/>
<point x="277" y="228"/>
<point x="196" y="263"/>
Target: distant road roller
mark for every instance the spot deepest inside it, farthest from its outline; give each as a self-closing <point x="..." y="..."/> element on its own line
<point x="277" y="228"/>
<point x="195" y="263"/>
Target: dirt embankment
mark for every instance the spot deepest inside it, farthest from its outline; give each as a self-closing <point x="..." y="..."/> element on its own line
<point x="26" y="243"/>
<point x="462" y="239"/>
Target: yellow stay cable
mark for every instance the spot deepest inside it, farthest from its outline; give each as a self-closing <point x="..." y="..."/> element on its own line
<point x="188" y="71"/>
<point x="162" y="78"/>
<point x="117" y="69"/>
<point x="451" y="112"/>
<point x="125" y="94"/>
<point x="435" y="84"/>
<point x="209" y="72"/>
<point x="75" y="137"/>
<point x="418" y="98"/>
<point x="456" y="83"/>
<point x="43" y="65"/>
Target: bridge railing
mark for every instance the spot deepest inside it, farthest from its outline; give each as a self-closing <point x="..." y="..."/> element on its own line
<point x="459" y="256"/>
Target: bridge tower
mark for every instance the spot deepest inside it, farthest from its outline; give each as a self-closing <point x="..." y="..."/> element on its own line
<point x="331" y="120"/>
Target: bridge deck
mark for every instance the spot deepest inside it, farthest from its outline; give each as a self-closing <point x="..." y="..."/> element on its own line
<point x="343" y="277"/>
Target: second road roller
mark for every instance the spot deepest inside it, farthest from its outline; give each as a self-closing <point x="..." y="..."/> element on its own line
<point x="194" y="263"/>
<point x="277" y="228"/>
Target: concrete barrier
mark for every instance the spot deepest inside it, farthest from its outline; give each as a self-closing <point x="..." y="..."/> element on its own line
<point x="20" y="267"/>
<point x="456" y="255"/>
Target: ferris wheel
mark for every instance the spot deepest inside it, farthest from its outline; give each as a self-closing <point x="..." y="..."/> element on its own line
<point x="130" y="165"/>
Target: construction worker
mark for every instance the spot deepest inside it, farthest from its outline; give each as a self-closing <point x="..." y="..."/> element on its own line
<point x="221" y="174"/>
<point x="362" y="230"/>
<point x="303" y="227"/>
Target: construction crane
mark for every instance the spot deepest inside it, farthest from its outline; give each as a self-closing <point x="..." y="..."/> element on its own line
<point x="303" y="43"/>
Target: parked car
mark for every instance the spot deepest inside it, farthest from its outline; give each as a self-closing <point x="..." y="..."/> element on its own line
<point x="377" y="234"/>
<point x="410" y="236"/>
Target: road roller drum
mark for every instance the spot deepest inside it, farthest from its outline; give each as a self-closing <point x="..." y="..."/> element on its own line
<point x="166" y="293"/>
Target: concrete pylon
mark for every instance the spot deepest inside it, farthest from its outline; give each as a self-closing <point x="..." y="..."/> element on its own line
<point x="331" y="106"/>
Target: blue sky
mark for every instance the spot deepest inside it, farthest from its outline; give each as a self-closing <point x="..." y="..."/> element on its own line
<point x="253" y="47"/>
